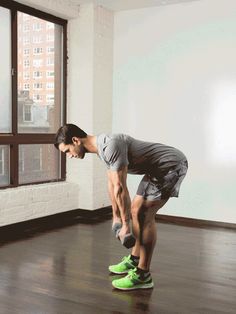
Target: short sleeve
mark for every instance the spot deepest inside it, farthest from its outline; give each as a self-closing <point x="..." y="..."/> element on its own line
<point x="116" y="154"/>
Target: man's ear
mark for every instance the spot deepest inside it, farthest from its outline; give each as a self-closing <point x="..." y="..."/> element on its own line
<point x="75" y="140"/>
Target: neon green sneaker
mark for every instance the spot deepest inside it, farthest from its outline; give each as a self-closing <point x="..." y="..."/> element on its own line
<point x="132" y="281"/>
<point x="124" y="266"/>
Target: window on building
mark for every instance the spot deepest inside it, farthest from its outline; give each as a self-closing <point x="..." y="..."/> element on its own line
<point x="50" y="37"/>
<point x="26" y="40"/>
<point x="26" y="51"/>
<point x="50" y="85"/>
<point x="37" y="74"/>
<point x="37" y="62"/>
<point x="50" y="25"/>
<point x="26" y="27"/>
<point x="37" y="39"/>
<point x="38" y="85"/>
<point x="37" y="97"/>
<point x="37" y="26"/>
<point x="26" y="75"/>
<point x="50" y="98"/>
<point x="50" y="73"/>
<point x="38" y="50"/>
<point x="29" y="119"/>
<point x="26" y="86"/>
<point x="50" y="61"/>
<point x="50" y="50"/>
<point x="26" y="63"/>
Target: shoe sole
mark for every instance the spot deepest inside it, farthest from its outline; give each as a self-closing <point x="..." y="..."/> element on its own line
<point x="119" y="273"/>
<point x="147" y="286"/>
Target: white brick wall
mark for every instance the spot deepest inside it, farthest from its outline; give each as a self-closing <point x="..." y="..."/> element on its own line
<point x="90" y="64"/>
<point x="34" y="201"/>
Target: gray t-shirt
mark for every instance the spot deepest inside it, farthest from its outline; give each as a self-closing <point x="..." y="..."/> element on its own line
<point x="120" y="150"/>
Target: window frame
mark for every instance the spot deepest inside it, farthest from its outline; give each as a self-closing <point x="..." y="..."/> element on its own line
<point x="14" y="139"/>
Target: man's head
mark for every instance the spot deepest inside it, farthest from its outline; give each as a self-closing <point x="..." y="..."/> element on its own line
<point x="69" y="140"/>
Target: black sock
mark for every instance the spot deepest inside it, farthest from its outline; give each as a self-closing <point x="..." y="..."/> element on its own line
<point x="135" y="259"/>
<point x="143" y="273"/>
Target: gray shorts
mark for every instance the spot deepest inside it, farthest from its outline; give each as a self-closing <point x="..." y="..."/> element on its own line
<point x="155" y="188"/>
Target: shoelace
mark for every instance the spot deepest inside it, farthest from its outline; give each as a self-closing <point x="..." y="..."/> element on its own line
<point x="132" y="274"/>
<point x="126" y="259"/>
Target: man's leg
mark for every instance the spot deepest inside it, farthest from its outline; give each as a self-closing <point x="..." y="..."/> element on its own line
<point x="144" y="228"/>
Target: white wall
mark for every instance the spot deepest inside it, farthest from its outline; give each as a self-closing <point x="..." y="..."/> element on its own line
<point x="175" y="83"/>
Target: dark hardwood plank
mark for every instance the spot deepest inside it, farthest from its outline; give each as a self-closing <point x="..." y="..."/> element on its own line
<point x="65" y="271"/>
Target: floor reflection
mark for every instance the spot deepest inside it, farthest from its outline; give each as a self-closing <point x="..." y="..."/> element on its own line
<point x="137" y="301"/>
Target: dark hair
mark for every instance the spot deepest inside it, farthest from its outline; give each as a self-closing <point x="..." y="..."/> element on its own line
<point x="66" y="132"/>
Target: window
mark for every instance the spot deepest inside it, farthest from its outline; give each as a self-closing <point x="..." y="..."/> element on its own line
<point x="37" y="74"/>
<point x="37" y="97"/>
<point x="21" y="161"/>
<point x="37" y="39"/>
<point x="26" y="40"/>
<point x="38" y="85"/>
<point x="26" y="63"/>
<point x="50" y="37"/>
<point x="50" y="25"/>
<point x="31" y="114"/>
<point x="50" y="98"/>
<point x="26" y="51"/>
<point x="26" y="75"/>
<point x="37" y="62"/>
<point x="2" y="168"/>
<point x="50" y="85"/>
<point x="50" y="49"/>
<point x="50" y="61"/>
<point x="38" y="50"/>
<point x="28" y="113"/>
<point x="50" y="73"/>
<point x="4" y="165"/>
<point x="26" y="86"/>
<point x="37" y="26"/>
<point x="26" y="27"/>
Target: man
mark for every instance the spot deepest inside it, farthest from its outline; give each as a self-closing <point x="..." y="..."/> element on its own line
<point x="163" y="167"/>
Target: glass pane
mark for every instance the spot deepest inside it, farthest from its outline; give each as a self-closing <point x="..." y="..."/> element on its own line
<point x="38" y="163"/>
<point x="5" y="71"/>
<point x="4" y="165"/>
<point x="39" y="75"/>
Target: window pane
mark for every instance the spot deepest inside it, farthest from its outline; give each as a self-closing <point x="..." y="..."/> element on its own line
<point x="38" y="163"/>
<point x="5" y="71"/>
<point x="4" y="165"/>
<point x="39" y="75"/>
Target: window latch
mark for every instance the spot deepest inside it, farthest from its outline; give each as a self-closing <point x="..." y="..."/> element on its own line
<point x="13" y="71"/>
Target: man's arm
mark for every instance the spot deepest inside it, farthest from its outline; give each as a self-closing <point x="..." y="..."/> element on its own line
<point x="115" y="208"/>
<point x="119" y="195"/>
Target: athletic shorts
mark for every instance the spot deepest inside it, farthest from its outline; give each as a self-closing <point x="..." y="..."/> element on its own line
<point x="154" y="188"/>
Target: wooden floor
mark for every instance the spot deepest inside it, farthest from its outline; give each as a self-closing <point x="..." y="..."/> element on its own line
<point x="65" y="271"/>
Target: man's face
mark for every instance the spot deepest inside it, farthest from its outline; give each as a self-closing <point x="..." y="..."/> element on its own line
<point x="75" y="150"/>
